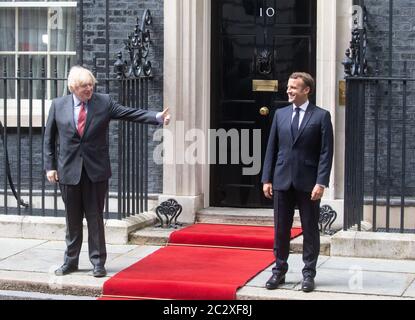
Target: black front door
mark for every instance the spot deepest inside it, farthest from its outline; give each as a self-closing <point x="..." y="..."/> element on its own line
<point x="252" y="41"/>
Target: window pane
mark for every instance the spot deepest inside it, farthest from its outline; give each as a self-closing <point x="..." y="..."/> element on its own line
<point x="10" y="65"/>
<point x="37" y="92"/>
<point x="63" y="64"/>
<point x="32" y="29"/>
<point x="63" y="29"/>
<point x="7" y="29"/>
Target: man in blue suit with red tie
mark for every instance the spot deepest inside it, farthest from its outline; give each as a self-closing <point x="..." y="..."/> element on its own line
<point x="82" y="165"/>
<point x="296" y="172"/>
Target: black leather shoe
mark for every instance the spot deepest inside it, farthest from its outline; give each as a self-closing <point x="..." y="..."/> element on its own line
<point x="275" y="281"/>
<point x="308" y="284"/>
<point x="65" y="269"/>
<point x="99" y="272"/>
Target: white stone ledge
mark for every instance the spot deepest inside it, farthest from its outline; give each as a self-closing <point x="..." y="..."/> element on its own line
<point x="373" y="245"/>
<point x="54" y="229"/>
<point x="49" y="283"/>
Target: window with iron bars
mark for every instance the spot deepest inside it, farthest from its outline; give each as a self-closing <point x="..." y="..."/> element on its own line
<point x="39" y="31"/>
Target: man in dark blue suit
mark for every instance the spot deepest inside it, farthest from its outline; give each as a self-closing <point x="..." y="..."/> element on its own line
<point x="296" y="172"/>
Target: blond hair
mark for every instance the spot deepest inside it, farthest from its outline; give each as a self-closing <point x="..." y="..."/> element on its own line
<point x="79" y="76"/>
<point x="307" y="79"/>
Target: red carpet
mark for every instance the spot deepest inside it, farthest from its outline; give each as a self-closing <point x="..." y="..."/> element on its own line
<point x="255" y="237"/>
<point x="194" y="268"/>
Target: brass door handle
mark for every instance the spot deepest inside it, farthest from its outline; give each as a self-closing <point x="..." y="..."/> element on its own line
<point x="264" y="111"/>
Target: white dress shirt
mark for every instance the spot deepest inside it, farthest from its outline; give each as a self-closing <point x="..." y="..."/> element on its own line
<point x="76" y="108"/>
<point x="303" y="108"/>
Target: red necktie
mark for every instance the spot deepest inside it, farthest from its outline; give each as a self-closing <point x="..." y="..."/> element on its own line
<point x="81" y="119"/>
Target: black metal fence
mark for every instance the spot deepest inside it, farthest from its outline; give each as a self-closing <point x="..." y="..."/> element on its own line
<point x="379" y="177"/>
<point x="380" y="149"/>
<point x="25" y="99"/>
<point x="26" y="93"/>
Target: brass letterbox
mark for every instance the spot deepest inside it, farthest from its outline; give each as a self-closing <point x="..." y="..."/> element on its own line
<point x="265" y="85"/>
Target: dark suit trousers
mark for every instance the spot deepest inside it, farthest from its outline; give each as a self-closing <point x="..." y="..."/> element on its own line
<point x="284" y="205"/>
<point x="86" y="198"/>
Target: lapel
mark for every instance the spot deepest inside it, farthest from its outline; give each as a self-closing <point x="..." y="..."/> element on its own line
<point x="90" y="114"/>
<point x="68" y="111"/>
<point x="287" y="122"/>
<point x="306" y="119"/>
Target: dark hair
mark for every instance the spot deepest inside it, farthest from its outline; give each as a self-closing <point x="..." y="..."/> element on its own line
<point x="307" y="79"/>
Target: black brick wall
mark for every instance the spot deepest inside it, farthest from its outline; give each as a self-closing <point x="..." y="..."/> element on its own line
<point x="403" y="49"/>
<point x="403" y="35"/>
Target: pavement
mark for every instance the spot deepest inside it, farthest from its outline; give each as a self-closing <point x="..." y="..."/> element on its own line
<point x="28" y="266"/>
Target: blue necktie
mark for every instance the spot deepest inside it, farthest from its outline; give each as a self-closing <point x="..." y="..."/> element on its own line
<point x="295" y="123"/>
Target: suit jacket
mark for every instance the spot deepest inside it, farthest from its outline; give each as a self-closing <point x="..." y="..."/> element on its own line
<point x="92" y="149"/>
<point x="307" y="160"/>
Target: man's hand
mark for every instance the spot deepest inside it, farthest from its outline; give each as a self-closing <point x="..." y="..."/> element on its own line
<point x="52" y="176"/>
<point x="267" y="188"/>
<point x="317" y="193"/>
<point x="166" y="116"/>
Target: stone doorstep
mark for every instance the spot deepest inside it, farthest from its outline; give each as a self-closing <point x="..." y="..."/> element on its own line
<point x="159" y="237"/>
<point x="376" y="245"/>
<point x="150" y="236"/>
<point x="296" y="245"/>
<point x="52" y="228"/>
<point x="247" y="216"/>
<point x="243" y="216"/>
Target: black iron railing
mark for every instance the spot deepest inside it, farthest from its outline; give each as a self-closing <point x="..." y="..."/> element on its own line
<point x="25" y="99"/>
<point x="22" y="147"/>
<point x="379" y="179"/>
<point x="379" y="135"/>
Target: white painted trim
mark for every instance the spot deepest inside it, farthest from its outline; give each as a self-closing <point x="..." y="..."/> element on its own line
<point x="24" y="110"/>
<point x="186" y="92"/>
<point x="16" y="35"/>
<point x="326" y="69"/>
<point x="344" y="17"/>
<point x="34" y="4"/>
<point x="207" y="35"/>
